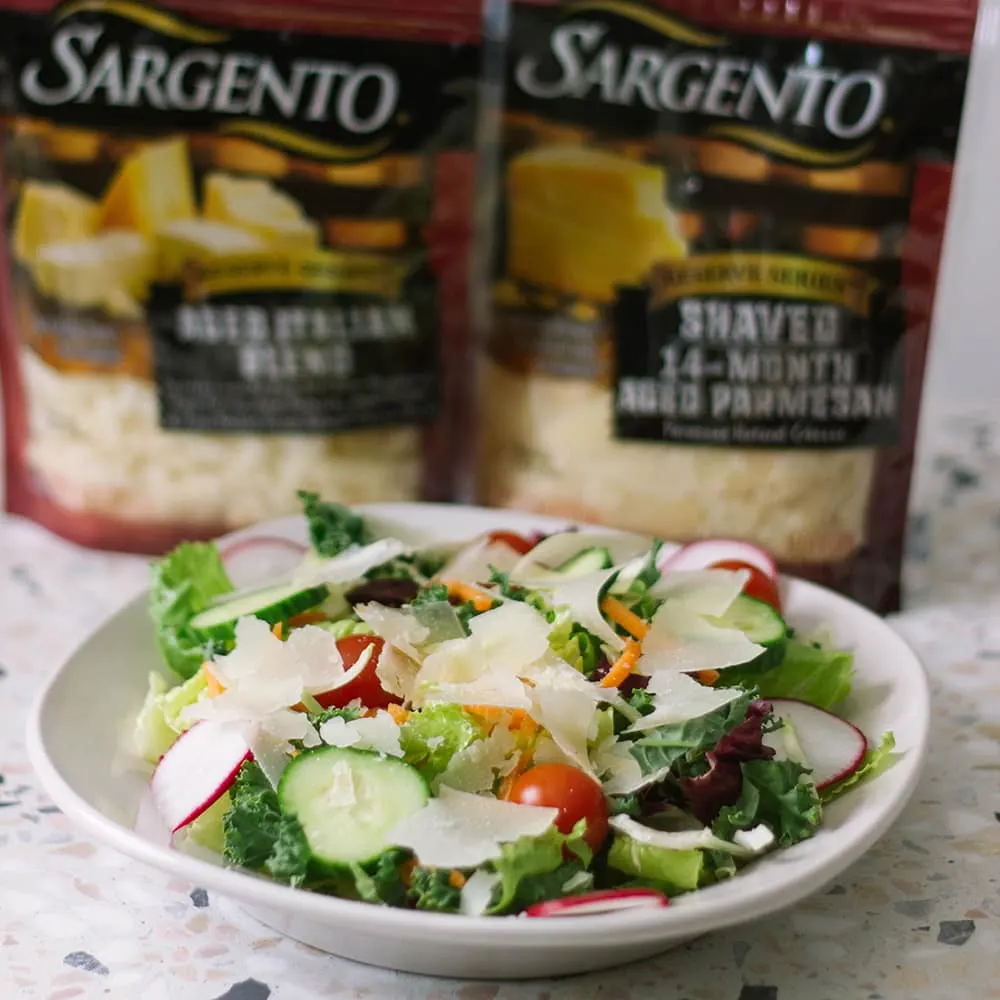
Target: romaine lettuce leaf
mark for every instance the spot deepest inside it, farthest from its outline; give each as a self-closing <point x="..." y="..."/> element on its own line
<point x="877" y="760"/>
<point x="809" y="671"/>
<point x="670" y="871"/>
<point x="535" y="868"/>
<point x="431" y="737"/>
<point x="207" y="830"/>
<point x="183" y="584"/>
<point x="159" y="721"/>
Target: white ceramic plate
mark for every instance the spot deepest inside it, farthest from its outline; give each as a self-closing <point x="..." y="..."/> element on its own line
<point x="76" y="724"/>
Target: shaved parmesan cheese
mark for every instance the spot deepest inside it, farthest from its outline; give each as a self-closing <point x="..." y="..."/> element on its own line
<point x="379" y="732"/>
<point x="477" y="893"/>
<point x="483" y="668"/>
<point x="692" y="840"/>
<point x="557" y="549"/>
<point x="616" y="767"/>
<point x="337" y="732"/>
<point x="547" y="751"/>
<point x="681" y="641"/>
<point x="493" y="690"/>
<point x="473" y="563"/>
<point x="476" y="768"/>
<point x="341" y="793"/>
<point x="707" y="592"/>
<point x="677" y="698"/>
<point x="581" y="596"/>
<point x="270" y="753"/>
<point x="567" y="715"/>
<point x="319" y="662"/>
<point x="350" y="565"/>
<point x="398" y="628"/>
<point x="458" y="830"/>
<point x="757" y="839"/>
<point x="396" y="672"/>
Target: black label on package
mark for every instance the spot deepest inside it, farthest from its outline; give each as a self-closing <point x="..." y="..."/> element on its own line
<point x="129" y="65"/>
<point x="628" y="68"/>
<point x="769" y="351"/>
<point x="297" y="355"/>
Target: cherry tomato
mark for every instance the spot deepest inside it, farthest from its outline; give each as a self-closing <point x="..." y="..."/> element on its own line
<point x="366" y="685"/>
<point x="576" y="795"/>
<point x="759" y="585"/>
<point x="517" y="542"/>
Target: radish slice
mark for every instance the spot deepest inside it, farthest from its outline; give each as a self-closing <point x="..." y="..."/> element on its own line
<point x="833" y="747"/>
<point x="701" y="555"/>
<point x="254" y="561"/>
<point x="604" y="901"/>
<point x="196" y="771"/>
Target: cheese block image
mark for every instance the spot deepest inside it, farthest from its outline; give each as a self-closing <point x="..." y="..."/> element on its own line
<point x="153" y="187"/>
<point x="87" y="273"/>
<point x="581" y="221"/>
<point x="51" y="213"/>
<point x="255" y="204"/>
<point x="200" y="240"/>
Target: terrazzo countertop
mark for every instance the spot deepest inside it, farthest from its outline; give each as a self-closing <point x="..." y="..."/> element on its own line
<point x="917" y="917"/>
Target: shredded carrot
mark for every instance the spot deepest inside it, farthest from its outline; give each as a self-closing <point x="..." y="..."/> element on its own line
<point x="398" y="713"/>
<point x="277" y="630"/>
<point x="212" y="686"/>
<point x="406" y="872"/>
<point x="369" y="713"/>
<point x="621" y="615"/>
<point x="707" y="677"/>
<point x="306" y="618"/>
<point x="623" y="666"/>
<point x="456" y="879"/>
<point x="465" y="592"/>
<point x="490" y="714"/>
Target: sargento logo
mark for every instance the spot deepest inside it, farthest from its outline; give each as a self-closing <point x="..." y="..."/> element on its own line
<point x="697" y="72"/>
<point x="192" y="69"/>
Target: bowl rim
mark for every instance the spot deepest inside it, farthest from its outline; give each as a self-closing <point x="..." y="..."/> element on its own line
<point x="693" y="913"/>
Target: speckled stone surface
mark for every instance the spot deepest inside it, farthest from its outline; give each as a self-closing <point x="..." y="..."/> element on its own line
<point x="918" y="917"/>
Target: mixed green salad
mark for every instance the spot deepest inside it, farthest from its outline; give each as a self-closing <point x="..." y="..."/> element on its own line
<point x="548" y="725"/>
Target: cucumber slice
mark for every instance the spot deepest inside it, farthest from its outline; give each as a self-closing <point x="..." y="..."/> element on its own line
<point x="348" y="800"/>
<point x="270" y="604"/>
<point x="587" y="561"/>
<point x="756" y="619"/>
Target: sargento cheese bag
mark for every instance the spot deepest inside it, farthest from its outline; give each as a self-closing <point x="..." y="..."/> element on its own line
<point x="235" y="257"/>
<point x="715" y="247"/>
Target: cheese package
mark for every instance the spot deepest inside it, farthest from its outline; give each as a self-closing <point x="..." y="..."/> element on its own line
<point x="235" y="258"/>
<point x="713" y="257"/>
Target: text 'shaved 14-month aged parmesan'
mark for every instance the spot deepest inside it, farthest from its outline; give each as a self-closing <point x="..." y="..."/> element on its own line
<point x="235" y="260"/>
<point x="715" y="250"/>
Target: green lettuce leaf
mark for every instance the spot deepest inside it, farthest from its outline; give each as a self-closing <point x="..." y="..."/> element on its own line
<point x="431" y="737"/>
<point x="809" y="671"/>
<point x="345" y="627"/>
<point x="250" y="827"/>
<point x="159" y="723"/>
<point x="665" y="746"/>
<point x="431" y="889"/>
<point x="877" y="760"/>
<point x="576" y="645"/>
<point x="207" y="830"/>
<point x="778" y="794"/>
<point x="183" y="584"/>
<point x="532" y="866"/>
<point x="380" y="881"/>
<point x="333" y="528"/>
<point x="255" y="833"/>
<point x="670" y="871"/>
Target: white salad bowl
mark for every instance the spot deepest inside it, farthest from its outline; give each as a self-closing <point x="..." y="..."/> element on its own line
<point x="77" y="755"/>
